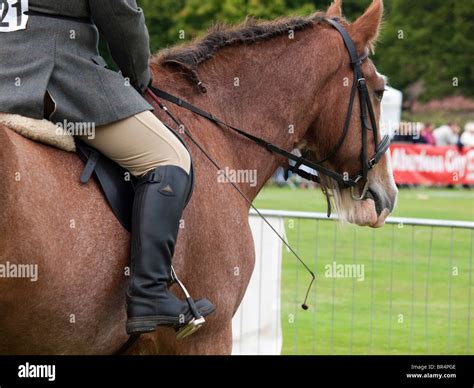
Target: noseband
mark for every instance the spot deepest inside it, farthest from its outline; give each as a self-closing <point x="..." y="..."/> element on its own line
<point x="359" y="87"/>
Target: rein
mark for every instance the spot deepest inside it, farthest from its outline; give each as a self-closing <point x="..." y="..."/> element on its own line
<point x="300" y="161"/>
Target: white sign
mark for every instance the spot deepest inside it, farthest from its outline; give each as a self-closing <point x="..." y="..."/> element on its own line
<point x="12" y="15"/>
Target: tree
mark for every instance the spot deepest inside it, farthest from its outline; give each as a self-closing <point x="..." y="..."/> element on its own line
<point x="429" y="41"/>
<point x="423" y="40"/>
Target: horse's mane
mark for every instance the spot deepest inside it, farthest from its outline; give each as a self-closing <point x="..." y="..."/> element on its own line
<point x="189" y="56"/>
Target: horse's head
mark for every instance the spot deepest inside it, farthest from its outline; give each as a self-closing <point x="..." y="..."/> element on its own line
<point x="370" y="197"/>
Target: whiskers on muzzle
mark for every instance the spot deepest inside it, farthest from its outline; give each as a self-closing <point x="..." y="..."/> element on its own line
<point x="372" y="210"/>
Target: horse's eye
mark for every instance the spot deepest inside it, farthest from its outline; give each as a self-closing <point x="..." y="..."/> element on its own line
<point x="379" y="94"/>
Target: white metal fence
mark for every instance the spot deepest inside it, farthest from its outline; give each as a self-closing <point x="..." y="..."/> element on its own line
<point x="415" y="295"/>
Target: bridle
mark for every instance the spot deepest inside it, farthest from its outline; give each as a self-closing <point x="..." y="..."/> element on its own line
<point x="359" y="87"/>
<point x="366" y="113"/>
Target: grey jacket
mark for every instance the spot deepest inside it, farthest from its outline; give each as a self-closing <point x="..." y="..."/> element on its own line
<point x="61" y="55"/>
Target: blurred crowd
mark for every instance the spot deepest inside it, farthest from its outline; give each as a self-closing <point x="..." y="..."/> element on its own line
<point x="449" y="134"/>
<point x="445" y="135"/>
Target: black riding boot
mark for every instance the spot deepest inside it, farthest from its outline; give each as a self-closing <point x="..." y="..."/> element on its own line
<point x="159" y="201"/>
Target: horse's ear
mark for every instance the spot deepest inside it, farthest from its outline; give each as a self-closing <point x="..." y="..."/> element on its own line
<point x="334" y="9"/>
<point x="365" y="30"/>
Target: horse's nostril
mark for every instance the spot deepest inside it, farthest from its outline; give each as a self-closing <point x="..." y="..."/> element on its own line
<point x="379" y="205"/>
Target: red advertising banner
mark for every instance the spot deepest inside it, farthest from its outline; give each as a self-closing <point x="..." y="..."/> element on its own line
<point x="430" y="165"/>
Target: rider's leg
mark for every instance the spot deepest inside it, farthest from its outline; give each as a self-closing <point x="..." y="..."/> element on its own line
<point x="140" y="144"/>
<point x="144" y="146"/>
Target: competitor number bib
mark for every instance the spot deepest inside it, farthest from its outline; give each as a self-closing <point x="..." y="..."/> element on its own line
<point x="12" y="15"/>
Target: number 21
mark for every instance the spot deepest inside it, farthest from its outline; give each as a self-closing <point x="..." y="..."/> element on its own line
<point x="5" y="7"/>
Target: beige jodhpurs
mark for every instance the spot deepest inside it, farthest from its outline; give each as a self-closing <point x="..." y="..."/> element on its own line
<point x="139" y="144"/>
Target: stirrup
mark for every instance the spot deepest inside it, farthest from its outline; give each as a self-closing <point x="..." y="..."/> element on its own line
<point x="190" y="328"/>
<point x="194" y="324"/>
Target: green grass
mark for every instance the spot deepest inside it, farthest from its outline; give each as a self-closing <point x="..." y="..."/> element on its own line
<point x="416" y="293"/>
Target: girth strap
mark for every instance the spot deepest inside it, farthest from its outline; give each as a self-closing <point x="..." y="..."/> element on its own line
<point x="91" y="164"/>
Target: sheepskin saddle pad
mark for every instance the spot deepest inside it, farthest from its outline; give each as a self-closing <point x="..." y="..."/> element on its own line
<point x="42" y="131"/>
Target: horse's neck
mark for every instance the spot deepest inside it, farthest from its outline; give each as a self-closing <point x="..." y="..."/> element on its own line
<point x="266" y="89"/>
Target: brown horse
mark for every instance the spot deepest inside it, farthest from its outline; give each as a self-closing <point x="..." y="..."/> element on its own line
<point x="284" y="80"/>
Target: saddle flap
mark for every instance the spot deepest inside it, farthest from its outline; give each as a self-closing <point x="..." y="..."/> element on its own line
<point x="112" y="178"/>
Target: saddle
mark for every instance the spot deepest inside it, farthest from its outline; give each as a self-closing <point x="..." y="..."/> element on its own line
<point x="117" y="184"/>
